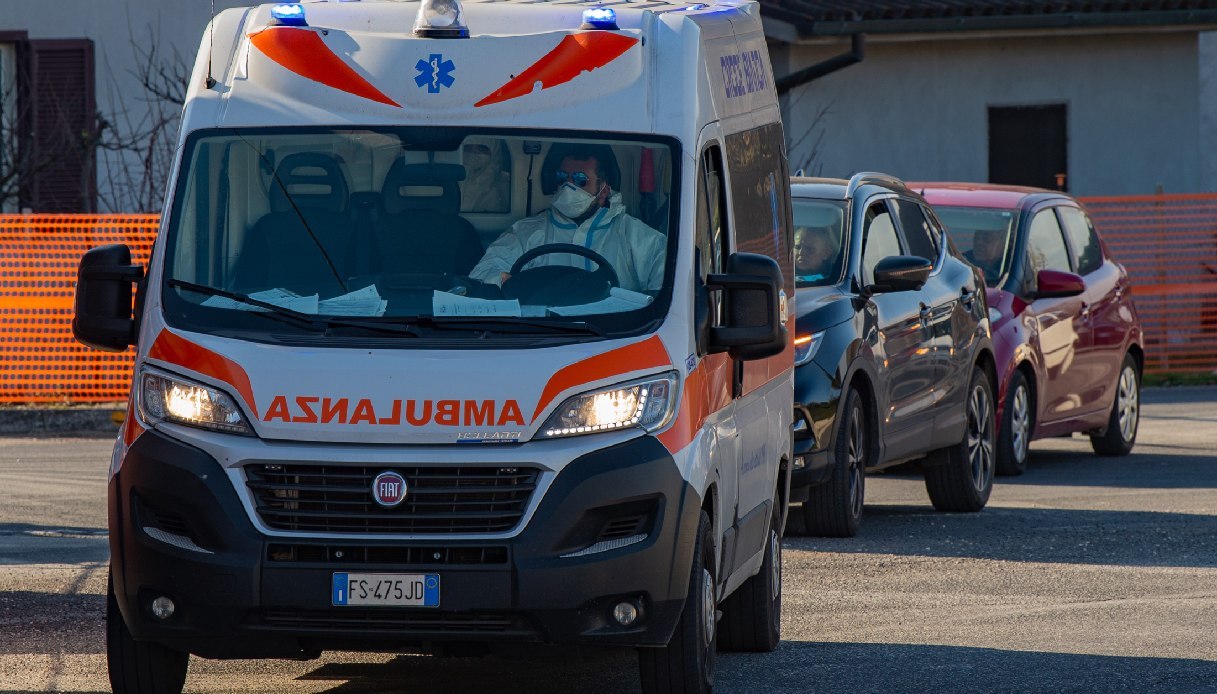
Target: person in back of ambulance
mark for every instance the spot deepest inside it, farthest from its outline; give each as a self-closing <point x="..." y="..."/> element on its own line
<point x="584" y="211"/>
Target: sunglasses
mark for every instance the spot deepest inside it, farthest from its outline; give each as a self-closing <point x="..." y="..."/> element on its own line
<point x="578" y="178"/>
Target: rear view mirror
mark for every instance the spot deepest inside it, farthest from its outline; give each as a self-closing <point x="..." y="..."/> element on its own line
<point x="900" y="273"/>
<point x="103" y="298"/>
<point x="1055" y="284"/>
<point x="752" y="324"/>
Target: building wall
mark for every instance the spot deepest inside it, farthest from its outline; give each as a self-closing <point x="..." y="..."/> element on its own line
<point x="918" y="109"/>
<point x="118" y="29"/>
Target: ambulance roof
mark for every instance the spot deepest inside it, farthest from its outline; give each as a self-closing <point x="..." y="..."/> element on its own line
<point x="526" y="64"/>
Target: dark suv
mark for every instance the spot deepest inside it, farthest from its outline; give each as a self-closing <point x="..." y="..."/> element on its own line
<point x="893" y="355"/>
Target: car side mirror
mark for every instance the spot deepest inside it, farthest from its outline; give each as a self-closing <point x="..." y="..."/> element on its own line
<point x="752" y="322"/>
<point x="900" y="273"/>
<point x="104" y="282"/>
<point x="1055" y="284"/>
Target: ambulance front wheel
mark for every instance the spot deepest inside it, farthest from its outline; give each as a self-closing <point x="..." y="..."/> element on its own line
<point x="139" y="667"/>
<point x="686" y="664"/>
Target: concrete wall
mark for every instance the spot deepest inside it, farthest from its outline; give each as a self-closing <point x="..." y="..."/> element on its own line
<point x="918" y="110"/>
<point x="116" y="26"/>
<point x="1207" y="103"/>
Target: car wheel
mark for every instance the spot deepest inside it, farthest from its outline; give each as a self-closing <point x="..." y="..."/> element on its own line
<point x="1121" y="432"/>
<point x="1017" y="423"/>
<point x="139" y="667"/>
<point x="686" y="663"/>
<point x="960" y="477"/>
<point x="834" y="507"/>
<point x="752" y="615"/>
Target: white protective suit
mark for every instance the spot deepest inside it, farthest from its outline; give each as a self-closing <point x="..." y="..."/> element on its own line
<point x="635" y="250"/>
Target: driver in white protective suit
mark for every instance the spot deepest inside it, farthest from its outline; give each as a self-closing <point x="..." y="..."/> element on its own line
<point x="586" y="212"/>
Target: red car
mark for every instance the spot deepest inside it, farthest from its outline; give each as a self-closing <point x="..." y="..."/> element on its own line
<point x="1066" y="335"/>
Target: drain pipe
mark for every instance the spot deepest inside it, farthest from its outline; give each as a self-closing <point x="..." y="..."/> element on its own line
<point x="857" y="52"/>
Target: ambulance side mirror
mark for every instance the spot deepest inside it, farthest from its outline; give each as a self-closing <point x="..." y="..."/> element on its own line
<point x="752" y="325"/>
<point x="103" y="317"/>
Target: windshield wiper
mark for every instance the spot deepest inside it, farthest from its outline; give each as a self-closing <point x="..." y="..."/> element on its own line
<point x="311" y="322"/>
<point x="499" y="322"/>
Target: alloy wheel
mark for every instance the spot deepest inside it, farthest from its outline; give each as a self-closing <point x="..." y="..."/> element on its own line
<point x="1020" y="422"/>
<point x="709" y="612"/>
<point x="857" y="453"/>
<point x="1128" y="403"/>
<point x="980" y="438"/>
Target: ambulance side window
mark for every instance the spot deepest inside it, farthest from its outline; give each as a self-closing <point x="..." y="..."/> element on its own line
<point x="712" y="232"/>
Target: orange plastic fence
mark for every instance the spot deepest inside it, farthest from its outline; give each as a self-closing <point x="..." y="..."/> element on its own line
<point x="40" y="362"/>
<point x="1169" y="245"/>
<point x="1167" y="242"/>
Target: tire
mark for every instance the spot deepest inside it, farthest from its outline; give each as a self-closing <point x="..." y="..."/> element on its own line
<point x="834" y="507"/>
<point x="752" y="615"/>
<point x="1017" y="424"/>
<point x="686" y="664"/>
<point x="960" y="477"/>
<point x="1121" y="432"/>
<point x="139" y="667"/>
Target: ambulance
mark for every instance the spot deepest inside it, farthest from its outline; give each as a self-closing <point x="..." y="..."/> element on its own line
<point x="466" y="327"/>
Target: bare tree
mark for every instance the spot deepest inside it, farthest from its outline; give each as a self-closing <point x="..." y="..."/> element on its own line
<point x="36" y="140"/>
<point x="138" y="149"/>
<point x="809" y="135"/>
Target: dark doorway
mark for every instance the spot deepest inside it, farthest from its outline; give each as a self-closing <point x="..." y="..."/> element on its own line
<point x="1028" y="146"/>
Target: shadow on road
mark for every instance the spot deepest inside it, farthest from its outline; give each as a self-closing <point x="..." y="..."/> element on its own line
<point x="872" y="667"/>
<point x="1147" y="467"/>
<point x="1063" y="536"/>
<point x="28" y="543"/>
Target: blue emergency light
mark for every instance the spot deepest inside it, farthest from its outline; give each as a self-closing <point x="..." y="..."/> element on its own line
<point x="599" y="18"/>
<point x="289" y="14"/>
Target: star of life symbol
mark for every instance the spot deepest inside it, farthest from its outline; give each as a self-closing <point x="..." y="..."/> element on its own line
<point x="434" y="73"/>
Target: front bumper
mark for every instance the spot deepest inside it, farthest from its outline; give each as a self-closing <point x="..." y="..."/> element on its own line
<point x="241" y="594"/>
<point x="815" y="404"/>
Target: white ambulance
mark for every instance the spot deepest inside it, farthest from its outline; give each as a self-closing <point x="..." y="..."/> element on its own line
<point x="466" y="326"/>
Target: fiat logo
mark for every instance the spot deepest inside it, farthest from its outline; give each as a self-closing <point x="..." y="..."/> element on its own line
<point x="389" y="489"/>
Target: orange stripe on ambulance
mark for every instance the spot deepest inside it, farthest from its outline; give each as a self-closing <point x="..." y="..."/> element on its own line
<point x="319" y="410"/>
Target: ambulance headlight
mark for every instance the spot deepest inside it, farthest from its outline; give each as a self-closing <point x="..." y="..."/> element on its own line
<point x="441" y="19"/>
<point x="175" y="399"/>
<point x="289" y="14"/>
<point x="649" y="403"/>
<point x="599" y="18"/>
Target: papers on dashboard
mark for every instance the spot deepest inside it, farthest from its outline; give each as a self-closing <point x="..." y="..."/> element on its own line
<point x="449" y="304"/>
<point x="617" y="301"/>
<point x="361" y="302"/>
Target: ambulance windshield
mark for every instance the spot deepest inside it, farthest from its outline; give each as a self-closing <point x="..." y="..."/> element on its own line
<point x="430" y="227"/>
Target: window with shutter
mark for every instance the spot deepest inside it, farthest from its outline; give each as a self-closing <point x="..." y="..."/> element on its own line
<point x="63" y="114"/>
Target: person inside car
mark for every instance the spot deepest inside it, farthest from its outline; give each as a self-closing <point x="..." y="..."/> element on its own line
<point x="584" y="211"/>
<point x="815" y="253"/>
<point x="988" y="247"/>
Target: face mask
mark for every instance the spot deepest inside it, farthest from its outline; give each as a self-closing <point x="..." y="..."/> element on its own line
<point x="573" y="202"/>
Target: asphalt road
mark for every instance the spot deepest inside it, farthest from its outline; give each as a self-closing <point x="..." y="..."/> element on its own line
<point x="1084" y="575"/>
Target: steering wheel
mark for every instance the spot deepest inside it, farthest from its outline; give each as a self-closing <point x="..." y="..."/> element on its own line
<point x="560" y="285"/>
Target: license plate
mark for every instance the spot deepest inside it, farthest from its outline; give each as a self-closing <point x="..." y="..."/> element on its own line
<point x="390" y="590"/>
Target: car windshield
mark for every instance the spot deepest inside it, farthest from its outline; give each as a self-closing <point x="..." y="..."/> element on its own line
<point x="819" y="241"/>
<point x="435" y="227"/>
<point x="986" y="237"/>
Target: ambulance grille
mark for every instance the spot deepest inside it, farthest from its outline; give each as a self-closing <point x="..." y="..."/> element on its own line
<point x="439" y="500"/>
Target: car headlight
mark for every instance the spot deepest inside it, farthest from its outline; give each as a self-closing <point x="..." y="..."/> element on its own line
<point x="176" y="399"/>
<point x="806" y="346"/>
<point x="648" y="403"/>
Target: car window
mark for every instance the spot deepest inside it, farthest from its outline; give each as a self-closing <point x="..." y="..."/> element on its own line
<point x="819" y="241"/>
<point x="984" y="235"/>
<point x="920" y="236"/>
<point x="1087" y="252"/>
<point x="1045" y="246"/>
<point x="879" y="240"/>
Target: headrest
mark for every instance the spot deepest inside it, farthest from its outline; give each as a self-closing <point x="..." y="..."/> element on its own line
<point x="553" y="159"/>
<point x="423" y="186"/>
<point x="313" y="180"/>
